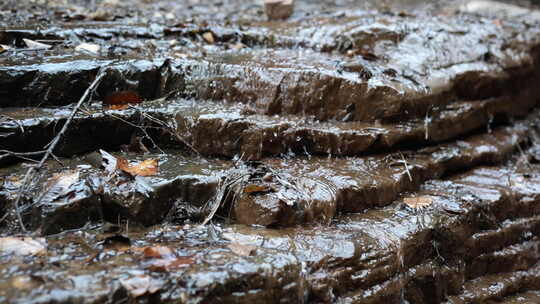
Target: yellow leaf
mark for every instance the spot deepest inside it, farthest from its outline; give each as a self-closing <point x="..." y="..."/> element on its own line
<point x="147" y="167"/>
<point x="209" y="37"/>
<point x="418" y="202"/>
<point x="256" y="189"/>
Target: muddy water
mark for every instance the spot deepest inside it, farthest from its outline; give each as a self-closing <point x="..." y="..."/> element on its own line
<point x="354" y="153"/>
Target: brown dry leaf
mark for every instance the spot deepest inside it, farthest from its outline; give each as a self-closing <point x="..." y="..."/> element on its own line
<point x="497" y="22"/>
<point x="118" y="107"/>
<point x="256" y="189"/>
<point x="60" y="186"/>
<point x="111" y="163"/>
<point x="25" y="282"/>
<point x="147" y="167"/>
<point x="157" y="252"/>
<point x="122" y="98"/>
<point x="31" y="44"/>
<point x="140" y="285"/>
<point x="163" y="259"/>
<point x="209" y="37"/>
<point x="3" y="48"/>
<point x="170" y="264"/>
<point x="23" y="246"/>
<point x="418" y="202"/>
<point x="241" y="249"/>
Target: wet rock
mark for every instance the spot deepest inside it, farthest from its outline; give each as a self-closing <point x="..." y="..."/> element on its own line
<point x="71" y="200"/>
<point x="61" y="82"/>
<point x="383" y="255"/>
<point x="27" y="129"/>
<point x="278" y="9"/>
<point x="377" y="156"/>
<point x="270" y="276"/>
<point x="315" y="189"/>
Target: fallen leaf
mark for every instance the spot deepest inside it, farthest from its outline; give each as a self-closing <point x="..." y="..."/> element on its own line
<point x="418" y="202"/>
<point x="256" y="189"/>
<point x="23" y="246"/>
<point x="140" y="285"/>
<point x="238" y="46"/>
<point x="164" y="259"/>
<point x="59" y="185"/>
<point x="26" y="282"/>
<point x="118" y="107"/>
<point x="497" y="22"/>
<point x="31" y="44"/>
<point x="4" y="48"/>
<point x="167" y="265"/>
<point x="157" y="252"/>
<point x="88" y="48"/>
<point x="241" y="249"/>
<point x="109" y="161"/>
<point x="209" y="37"/>
<point x="122" y="98"/>
<point x="147" y="167"/>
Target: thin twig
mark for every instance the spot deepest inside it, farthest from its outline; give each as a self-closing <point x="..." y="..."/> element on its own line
<point x="223" y="191"/>
<point x="143" y="129"/>
<point x="406" y="166"/>
<point x="523" y="155"/>
<point x="21" y="155"/>
<point x="171" y="131"/>
<point x="427" y="120"/>
<point x="51" y="146"/>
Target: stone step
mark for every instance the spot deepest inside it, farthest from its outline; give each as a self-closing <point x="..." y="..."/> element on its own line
<point x="183" y="185"/>
<point x="173" y="265"/>
<point x="53" y="81"/>
<point x="512" y="258"/>
<point x="213" y="131"/>
<point x="299" y="81"/>
<point x="382" y="254"/>
<point x="493" y="287"/>
<point x="94" y="126"/>
<point x="509" y="232"/>
<point x="216" y="129"/>
<point x="298" y="190"/>
<point x="304" y="190"/>
<point x="377" y="256"/>
<point x="310" y="84"/>
<point x="525" y="297"/>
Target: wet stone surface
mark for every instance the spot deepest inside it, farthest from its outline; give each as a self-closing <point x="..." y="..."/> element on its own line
<point x="352" y="152"/>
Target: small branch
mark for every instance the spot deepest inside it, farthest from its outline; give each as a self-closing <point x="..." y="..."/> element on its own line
<point x="223" y="192"/>
<point x="406" y="166"/>
<point x="30" y="174"/>
<point x="171" y="131"/>
<point x="21" y="155"/>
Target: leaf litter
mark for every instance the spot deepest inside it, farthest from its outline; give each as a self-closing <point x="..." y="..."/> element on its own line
<point x="164" y="259"/>
<point x="418" y="202"/>
<point x="113" y="163"/>
<point x="141" y="285"/>
<point x="121" y="100"/>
